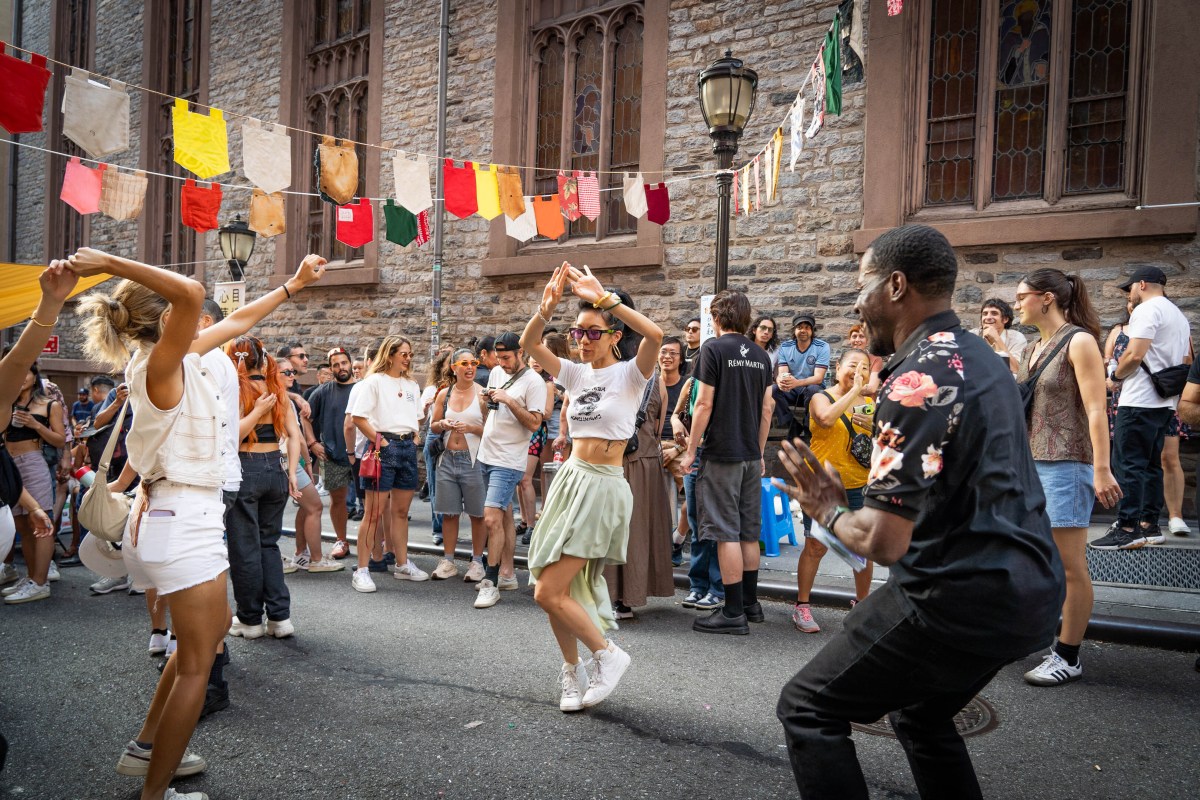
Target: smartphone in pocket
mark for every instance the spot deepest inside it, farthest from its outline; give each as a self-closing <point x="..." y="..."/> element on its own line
<point x="154" y="536"/>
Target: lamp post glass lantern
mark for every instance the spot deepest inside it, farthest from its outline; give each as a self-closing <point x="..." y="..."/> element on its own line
<point x="237" y="244"/>
<point x="727" y="91"/>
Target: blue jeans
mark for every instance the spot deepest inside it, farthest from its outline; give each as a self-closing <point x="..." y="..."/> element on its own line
<point x="253" y="526"/>
<point x="704" y="572"/>
<point x="431" y="479"/>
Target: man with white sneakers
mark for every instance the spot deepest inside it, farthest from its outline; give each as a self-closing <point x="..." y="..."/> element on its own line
<point x="517" y="399"/>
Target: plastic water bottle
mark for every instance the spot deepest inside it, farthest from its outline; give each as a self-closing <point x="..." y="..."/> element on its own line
<point x="558" y="457"/>
<point x="85" y="476"/>
<point x="1112" y="366"/>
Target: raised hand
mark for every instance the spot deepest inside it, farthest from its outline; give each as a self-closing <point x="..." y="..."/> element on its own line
<point x="87" y="262"/>
<point x="585" y="285"/>
<point x="58" y="281"/>
<point x="311" y="269"/>
<point x="265" y="402"/>
<point x="552" y="294"/>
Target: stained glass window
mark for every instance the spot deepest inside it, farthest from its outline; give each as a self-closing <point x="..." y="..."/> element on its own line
<point x="953" y="67"/>
<point x="1096" y="98"/>
<point x="626" y="124"/>
<point x="1022" y="99"/>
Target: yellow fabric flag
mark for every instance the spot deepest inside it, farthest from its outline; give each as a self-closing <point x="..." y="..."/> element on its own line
<point x="20" y="291"/>
<point x="776" y="153"/>
<point x="201" y="142"/>
<point x="487" y="191"/>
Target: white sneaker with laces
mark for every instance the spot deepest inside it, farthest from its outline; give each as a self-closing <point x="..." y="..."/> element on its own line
<point x="410" y="572"/>
<point x="1054" y="671"/>
<point x="475" y="572"/>
<point x="325" y="565"/>
<point x="361" y="581"/>
<point x="135" y="761"/>
<point x="52" y="574"/>
<point x="106" y="585"/>
<point x="8" y="574"/>
<point x="445" y="569"/>
<point x="280" y="629"/>
<point x="607" y="669"/>
<point x="297" y="562"/>
<point x="158" y="643"/>
<point x="239" y="628"/>
<point x="508" y="584"/>
<point x="1178" y="527"/>
<point x="16" y="587"/>
<point x="488" y="595"/>
<point x="171" y="794"/>
<point x="29" y="592"/>
<point x="574" y="680"/>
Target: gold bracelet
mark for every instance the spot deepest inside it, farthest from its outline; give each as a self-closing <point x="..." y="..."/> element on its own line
<point x="601" y="299"/>
<point x="33" y="319"/>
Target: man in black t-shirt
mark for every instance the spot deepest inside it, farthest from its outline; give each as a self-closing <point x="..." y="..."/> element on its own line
<point x="732" y="418"/>
<point x="328" y="422"/>
<point x="954" y="509"/>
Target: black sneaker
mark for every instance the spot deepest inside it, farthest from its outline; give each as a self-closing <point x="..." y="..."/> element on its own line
<point x="1153" y="535"/>
<point x="526" y="537"/>
<point x="1118" y="538"/>
<point x="216" y="698"/>
<point x="677" y="555"/>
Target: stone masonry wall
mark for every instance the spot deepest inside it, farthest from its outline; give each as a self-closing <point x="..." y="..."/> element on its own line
<point x="794" y="256"/>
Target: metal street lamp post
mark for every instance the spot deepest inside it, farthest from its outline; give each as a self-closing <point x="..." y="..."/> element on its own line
<point x="237" y="243"/>
<point x="727" y="92"/>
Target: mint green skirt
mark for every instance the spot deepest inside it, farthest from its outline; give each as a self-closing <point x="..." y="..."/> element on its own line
<point x="586" y="515"/>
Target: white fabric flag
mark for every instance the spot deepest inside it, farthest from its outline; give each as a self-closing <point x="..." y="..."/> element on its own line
<point x="635" y="195"/>
<point x="746" y="190"/>
<point x="266" y="156"/>
<point x="95" y="117"/>
<point x="412" y="182"/>
<point x="797" y="130"/>
<point x="524" y="227"/>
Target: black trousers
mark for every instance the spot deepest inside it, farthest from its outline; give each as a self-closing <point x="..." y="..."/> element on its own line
<point x="1137" y="462"/>
<point x="883" y="662"/>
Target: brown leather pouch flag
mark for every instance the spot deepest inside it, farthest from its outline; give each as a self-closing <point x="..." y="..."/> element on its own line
<point x="337" y="170"/>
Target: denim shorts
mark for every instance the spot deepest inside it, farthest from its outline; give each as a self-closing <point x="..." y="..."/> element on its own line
<point x="181" y="539"/>
<point x="1070" y="494"/>
<point x="501" y="485"/>
<point x="398" y="463"/>
<point x="460" y="486"/>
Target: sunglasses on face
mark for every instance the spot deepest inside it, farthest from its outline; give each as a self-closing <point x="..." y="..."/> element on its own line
<point x="593" y="334"/>
<point x="693" y="329"/>
<point x="766" y="328"/>
<point x="289" y="372"/>
<point x="299" y="355"/>
<point x="404" y="355"/>
<point x="471" y="363"/>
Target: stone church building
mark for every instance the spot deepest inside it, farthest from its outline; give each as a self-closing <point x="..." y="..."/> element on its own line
<point x="1029" y="131"/>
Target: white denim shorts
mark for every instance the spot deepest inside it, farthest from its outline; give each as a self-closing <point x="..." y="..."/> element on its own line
<point x="181" y="541"/>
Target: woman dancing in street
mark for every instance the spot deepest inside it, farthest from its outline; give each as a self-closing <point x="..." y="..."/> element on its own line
<point x="585" y="521"/>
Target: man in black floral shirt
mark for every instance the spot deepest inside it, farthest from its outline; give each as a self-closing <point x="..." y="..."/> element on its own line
<point x="954" y="508"/>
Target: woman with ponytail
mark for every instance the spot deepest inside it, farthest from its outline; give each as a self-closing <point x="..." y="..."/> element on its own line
<point x="174" y="540"/>
<point x="1068" y="433"/>
<point x="256" y="519"/>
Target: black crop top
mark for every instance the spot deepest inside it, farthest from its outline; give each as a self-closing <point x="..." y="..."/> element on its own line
<point x="23" y="433"/>
<point x="265" y="433"/>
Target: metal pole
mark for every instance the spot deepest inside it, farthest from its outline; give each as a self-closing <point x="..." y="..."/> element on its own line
<point x="725" y="146"/>
<point x="439" y="203"/>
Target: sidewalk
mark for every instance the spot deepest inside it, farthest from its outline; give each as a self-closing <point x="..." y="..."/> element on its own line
<point x="1169" y="605"/>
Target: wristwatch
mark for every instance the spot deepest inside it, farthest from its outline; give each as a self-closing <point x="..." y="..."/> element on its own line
<point x="833" y="516"/>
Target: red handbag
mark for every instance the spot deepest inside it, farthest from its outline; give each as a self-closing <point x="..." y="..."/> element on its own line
<point x="371" y="468"/>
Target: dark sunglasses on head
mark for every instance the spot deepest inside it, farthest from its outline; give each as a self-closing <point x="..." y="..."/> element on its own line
<point x="593" y="334"/>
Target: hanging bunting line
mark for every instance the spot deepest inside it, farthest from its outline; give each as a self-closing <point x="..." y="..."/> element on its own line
<point x="305" y="131"/>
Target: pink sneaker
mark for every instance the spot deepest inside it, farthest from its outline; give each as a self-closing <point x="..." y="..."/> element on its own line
<point x="802" y="618"/>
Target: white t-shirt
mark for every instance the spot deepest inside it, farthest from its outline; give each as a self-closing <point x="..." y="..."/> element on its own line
<point x="1158" y="320"/>
<point x="505" y="440"/>
<point x="360" y="441"/>
<point x="220" y="369"/>
<point x="391" y="405"/>
<point x="604" y="402"/>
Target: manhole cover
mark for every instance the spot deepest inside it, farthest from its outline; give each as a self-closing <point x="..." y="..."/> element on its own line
<point x="977" y="717"/>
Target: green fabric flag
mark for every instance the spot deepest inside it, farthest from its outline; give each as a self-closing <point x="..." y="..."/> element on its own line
<point x="831" y="56"/>
<point x="401" y="224"/>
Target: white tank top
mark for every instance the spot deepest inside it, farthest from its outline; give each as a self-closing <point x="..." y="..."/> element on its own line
<point x="472" y="415"/>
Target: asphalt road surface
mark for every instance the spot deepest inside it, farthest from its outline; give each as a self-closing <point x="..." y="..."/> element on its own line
<point x="411" y="692"/>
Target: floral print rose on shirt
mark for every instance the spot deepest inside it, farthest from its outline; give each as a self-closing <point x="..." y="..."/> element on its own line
<point x="918" y="414"/>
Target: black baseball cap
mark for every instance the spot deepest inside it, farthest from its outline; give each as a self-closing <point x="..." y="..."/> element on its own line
<point x="82" y="390"/>
<point x="801" y="318"/>
<point x="507" y="341"/>
<point x="1147" y="274"/>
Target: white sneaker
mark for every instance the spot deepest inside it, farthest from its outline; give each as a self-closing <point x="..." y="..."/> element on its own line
<point x="159" y="642"/>
<point x="52" y="574"/>
<point x="607" y="670"/>
<point x="1178" y="527"/>
<point x="172" y="646"/>
<point x="239" y="628"/>
<point x="8" y="574"/>
<point x="106" y="585"/>
<point x="326" y="565"/>
<point x="410" y="572"/>
<point x="171" y="794"/>
<point x="574" y="680"/>
<point x="135" y="762"/>
<point x="322" y="491"/>
<point x="281" y="629"/>
<point x="445" y="569"/>
<point x="1054" y="671"/>
<point x="361" y="581"/>
<point x="16" y="587"/>
<point x="507" y="584"/>
<point x="295" y="563"/>
<point x="29" y="592"/>
<point x="475" y="572"/>
<point x="488" y="595"/>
